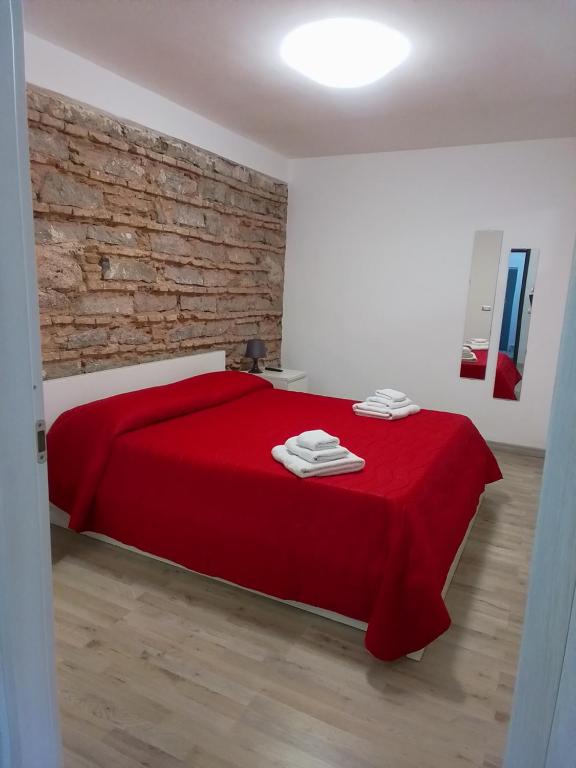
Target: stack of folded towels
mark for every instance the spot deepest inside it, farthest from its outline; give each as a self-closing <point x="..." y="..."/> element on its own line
<point x="467" y="354"/>
<point x="315" y="453"/>
<point x="386" y="404"/>
<point x="478" y="343"/>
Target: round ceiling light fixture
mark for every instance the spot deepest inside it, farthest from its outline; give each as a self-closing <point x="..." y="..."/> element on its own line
<point x="344" y="53"/>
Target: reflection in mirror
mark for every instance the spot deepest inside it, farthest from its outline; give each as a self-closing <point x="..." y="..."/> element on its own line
<point x="479" y="309"/>
<point x="516" y="316"/>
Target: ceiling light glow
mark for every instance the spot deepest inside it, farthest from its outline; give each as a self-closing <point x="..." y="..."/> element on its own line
<point x="344" y="53"/>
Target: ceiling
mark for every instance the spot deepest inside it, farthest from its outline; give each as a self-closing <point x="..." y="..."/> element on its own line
<point x="480" y="70"/>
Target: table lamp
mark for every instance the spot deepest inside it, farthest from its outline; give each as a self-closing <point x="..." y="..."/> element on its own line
<point x="255" y="350"/>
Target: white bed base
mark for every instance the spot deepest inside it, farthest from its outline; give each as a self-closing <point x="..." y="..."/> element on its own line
<point x="58" y="517"/>
<point x="62" y="394"/>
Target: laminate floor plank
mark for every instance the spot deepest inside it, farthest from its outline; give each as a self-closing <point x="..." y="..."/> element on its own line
<point x="162" y="668"/>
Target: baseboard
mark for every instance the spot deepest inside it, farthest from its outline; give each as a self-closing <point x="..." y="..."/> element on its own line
<point x="523" y="450"/>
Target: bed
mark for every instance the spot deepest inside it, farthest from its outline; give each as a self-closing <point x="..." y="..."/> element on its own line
<point x="183" y="472"/>
<point x="507" y="375"/>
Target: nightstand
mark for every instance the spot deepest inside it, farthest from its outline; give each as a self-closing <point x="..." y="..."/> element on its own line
<point x="294" y="381"/>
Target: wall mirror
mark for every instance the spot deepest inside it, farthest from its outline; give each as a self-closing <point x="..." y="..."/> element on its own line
<point x="515" y="327"/>
<point x="480" y="306"/>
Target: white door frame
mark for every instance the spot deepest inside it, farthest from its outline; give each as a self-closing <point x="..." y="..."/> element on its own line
<point x="29" y="734"/>
<point x="542" y="730"/>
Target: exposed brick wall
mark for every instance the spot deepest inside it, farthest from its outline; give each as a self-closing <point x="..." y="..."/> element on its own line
<point x="148" y="247"/>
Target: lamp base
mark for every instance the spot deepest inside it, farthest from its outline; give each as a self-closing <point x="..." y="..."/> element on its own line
<point x="255" y="368"/>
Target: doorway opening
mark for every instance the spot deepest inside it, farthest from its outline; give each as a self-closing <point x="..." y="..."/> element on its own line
<point x="515" y="305"/>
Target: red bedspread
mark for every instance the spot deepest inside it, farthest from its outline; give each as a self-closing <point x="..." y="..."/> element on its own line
<point x="507" y="375"/>
<point x="185" y="472"/>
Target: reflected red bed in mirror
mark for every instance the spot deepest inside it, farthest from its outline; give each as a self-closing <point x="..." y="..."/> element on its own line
<point x="507" y="375"/>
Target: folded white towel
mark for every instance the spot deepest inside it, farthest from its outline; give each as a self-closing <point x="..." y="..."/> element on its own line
<point x="391" y="394"/>
<point x="326" y="454"/>
<point x="389" y="403"/>
<point x="317" y="440"/>
<point x="302" y="468"/>
<point x="390" y="414"/>
<point x="478" y="340"/>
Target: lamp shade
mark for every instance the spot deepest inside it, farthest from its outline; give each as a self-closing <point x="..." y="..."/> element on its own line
<point x="255" y="349"/>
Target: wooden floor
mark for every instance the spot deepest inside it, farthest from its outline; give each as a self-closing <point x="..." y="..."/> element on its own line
<point x="158" y="667"/>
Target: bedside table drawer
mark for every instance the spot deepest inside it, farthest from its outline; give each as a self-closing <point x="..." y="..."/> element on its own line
<point x="298" y="385"/>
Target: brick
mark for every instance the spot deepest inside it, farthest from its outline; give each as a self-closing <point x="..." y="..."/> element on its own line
<point x="46" y="231"/>
<point x="112" y="235"/>
<point x="169" y="212"/>
<point x="246" y="329"/>
<point x="127" y="167"/>
<point x="118" y="268"/>
<point x="199" y="303"/>
<point x="169" y="181"/>
<point x="241" y="256"/>
<point x="56" y="369"/>
<point x="196" y="330"/>
<point x="76" y="130"/>
<point x="103" y="304"/>
<point x="129" y="335"/>
<point x="92" y="338"/>
<point x="57" y="269"/>
<point x="210" y="189"/>
<point x="53" y="301"/>
<point x="48" y="143"/>
<point x="64" y="190"/>
<point x="275" y="267"/>
<point x="154" y="302"/>
<point x="52" y="122"/>
<point x="174" y="245"/>
<point x="239" y="303"/>
<point x="185" y="275"/>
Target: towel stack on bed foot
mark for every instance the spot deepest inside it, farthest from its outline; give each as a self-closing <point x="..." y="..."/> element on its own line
<point x="386" y="404"/>
<point x="467" y="354"/>
<point x="317" y="454"/>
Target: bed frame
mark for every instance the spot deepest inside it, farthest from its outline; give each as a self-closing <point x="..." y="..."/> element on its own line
<point x="62" y="394"/>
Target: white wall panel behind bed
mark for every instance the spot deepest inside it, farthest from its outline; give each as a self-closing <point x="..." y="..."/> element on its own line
<point x="62" y="394"/>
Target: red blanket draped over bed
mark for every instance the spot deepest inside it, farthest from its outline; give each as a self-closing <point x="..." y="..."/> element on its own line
<point x="184" y="472"/>
<point x="507" y="375"/>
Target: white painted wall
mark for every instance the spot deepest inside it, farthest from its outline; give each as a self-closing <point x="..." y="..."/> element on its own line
<point x="377" y="267"/>
<point x="486" y="254"/>
<point x="50" y="66"/>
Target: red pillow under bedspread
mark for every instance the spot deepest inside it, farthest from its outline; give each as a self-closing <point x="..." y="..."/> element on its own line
<point x="185" y="472"/>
